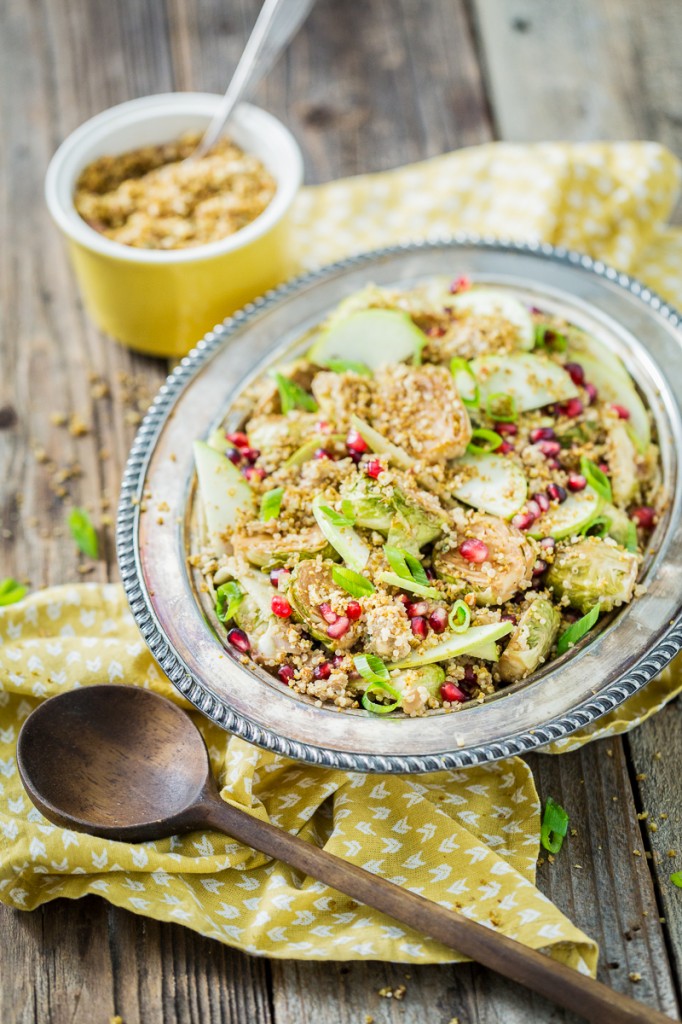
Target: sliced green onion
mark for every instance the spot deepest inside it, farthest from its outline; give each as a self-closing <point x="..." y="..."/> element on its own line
<point x="396" y="559"/>
<point x="292" y="395"/>
<point x="597" y="480"/>
<point x="577" y="631"/>
<point x="380" y="709"/>
<point x="676" y="879"/>
<point x="348" y="510"/>
<point x="491" y="439"/>
<point x="352" y="582"/>
<point x="416" y="569"/>
<point x="228" y="598"/>
<point x="554" y="826"/>
<point x="458" y="367"/>
<point x="631" y="537"/>
<point x="346" y="365"/>
<point x="501" y="406"/>
<point x="371" y="668"/>
<point x="83" y="532"/>
<point x="271" y="503"/>
<point x="336" y="518"/>
<point x="547" y="337"/>
<point x="407" y="583"/>
<point x="11" y="591"/>
<point x="459" y="618"/>
<point x="597" y="527"/>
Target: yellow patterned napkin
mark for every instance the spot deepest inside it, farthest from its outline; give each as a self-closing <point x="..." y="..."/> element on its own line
<point x="467" y="839"/>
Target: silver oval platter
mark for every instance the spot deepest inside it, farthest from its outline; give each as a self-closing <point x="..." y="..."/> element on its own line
<point x="178" y="622"/>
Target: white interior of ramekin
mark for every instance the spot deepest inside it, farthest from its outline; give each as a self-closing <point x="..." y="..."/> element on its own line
<point x="156" y="119"/>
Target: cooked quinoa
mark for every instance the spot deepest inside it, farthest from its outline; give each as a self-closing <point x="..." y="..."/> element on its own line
<point x="440" y="497"/>
<point x="151" y="199"/>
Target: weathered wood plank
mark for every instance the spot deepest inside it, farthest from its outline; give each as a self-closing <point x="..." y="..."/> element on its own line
<point x="582" y="69"/>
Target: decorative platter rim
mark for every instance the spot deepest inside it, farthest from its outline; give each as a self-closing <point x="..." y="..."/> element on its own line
<point x="158" y="627"/>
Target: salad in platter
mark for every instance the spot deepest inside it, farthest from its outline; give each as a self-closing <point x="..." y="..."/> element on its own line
<point x="442" y="495"/>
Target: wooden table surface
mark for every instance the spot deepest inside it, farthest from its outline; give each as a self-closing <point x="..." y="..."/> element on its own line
<point x="368" y="84"/>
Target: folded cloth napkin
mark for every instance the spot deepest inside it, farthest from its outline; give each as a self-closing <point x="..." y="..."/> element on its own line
<point x="469" y="839"/>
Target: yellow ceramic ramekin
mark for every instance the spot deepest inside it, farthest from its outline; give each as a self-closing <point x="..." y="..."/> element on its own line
<point x="159" y="302"/>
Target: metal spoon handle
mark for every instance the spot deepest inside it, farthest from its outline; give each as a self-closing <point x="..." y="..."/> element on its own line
<point x="557" y="982"/>
<point x="277" y="23"/>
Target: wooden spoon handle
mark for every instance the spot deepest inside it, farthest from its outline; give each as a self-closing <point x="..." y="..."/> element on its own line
<point x="563" y="985"/>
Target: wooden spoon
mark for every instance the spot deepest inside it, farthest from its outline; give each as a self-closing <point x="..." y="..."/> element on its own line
<point x="123" y="763"/>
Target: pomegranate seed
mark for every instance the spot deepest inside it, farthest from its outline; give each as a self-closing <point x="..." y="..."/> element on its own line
<point x="504" y="448"/>
<point x="572" y="408"/>
<point x="506" y="429"/>
<point x="557" y="492"/>
<point x="553" y="464"/>
<point x="541" y="500"/>
<point x="549" y="448"/>
<point x="576" y="482"/>
<point x="508" y="618"/>
<point x="338" y="660"/>
<point x="420" y="626"/>
<point x="238" y="439"/>
<point x="356" y="457"/>
<point x="404" y="599"/>
<point x="353" y="610"/>
<point x="541" y="434"/>
<point x="327" y="614"/>
<point x="239" y="639"/>
<point x="576" y="373"/>
<point x="286" y="673"/>
<point x="355" y="442"/>
<point x="430" y="574"/>
<point x="460" y="284"/>
<point x="452" y="694"/>
<point x="250" y="454"/>
<point x="474" y="550"/>
<point x="438" y="620"/>
<point x="539" y="567"/>
<point x="254" y="473"/>
<point x="592" y="393"/>
<point x="276" y="575"/>
<point x="644" y="516"/>
<point x="374" y="468"/>
<point x="280" y="607"/>
<point x="548" y="543"/>
<point x="470" y="675"/>
<point x="322" y="453"/>
<point x="417" y="608"/>
<point x="323" y="670"/>
<point x="323" y="427"/>
<point x="604" y="466"/>
<point x="621" y="412"/>
<point x="339" y="628"/>
<point x="533" y="508"/>
<point x="234" y="455"/>
<point x="523" y="520"/>
<point x="435" y="331"/>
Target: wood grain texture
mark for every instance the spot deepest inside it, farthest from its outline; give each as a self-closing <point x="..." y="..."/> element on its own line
<point x="364" y="87"/>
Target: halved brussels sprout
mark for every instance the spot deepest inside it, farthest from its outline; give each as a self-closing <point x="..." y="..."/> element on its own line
<point x="417" y="685"/>
<point x="269" y="552"/>
<point x="593" y="571"/>
<point x="508" y="568"/>
<point x="390" y="512"/>
<point x="310" y="587"/>
<point x="267" y="634"/>
<point x="531" y="641"/>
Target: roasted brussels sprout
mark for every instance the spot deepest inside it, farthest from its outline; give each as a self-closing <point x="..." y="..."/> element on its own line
<point x="268" y="551"/>
<point x="387" y="510"/>
<point x="313" y="595"/>
<point x="508" y="568"/>
<point x="593" y="571"/>
<point x="417" y="685"/>
<point x="531" y="641"/>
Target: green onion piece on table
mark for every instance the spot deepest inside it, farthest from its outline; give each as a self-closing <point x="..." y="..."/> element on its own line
<point x="554" y="826"/>
<point x="676" y="879"/>
<point x="83" y="532"/>
<point x="577" y="631"/>
<point x="459" y="618"/>
<point x="380" y="709"/>
<point x="293" y="396"/>
<point x="271" y="503"/>
<point x="484" y="441"/>
<point x="11" y="591"/>
<point x="354" y="583"/>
